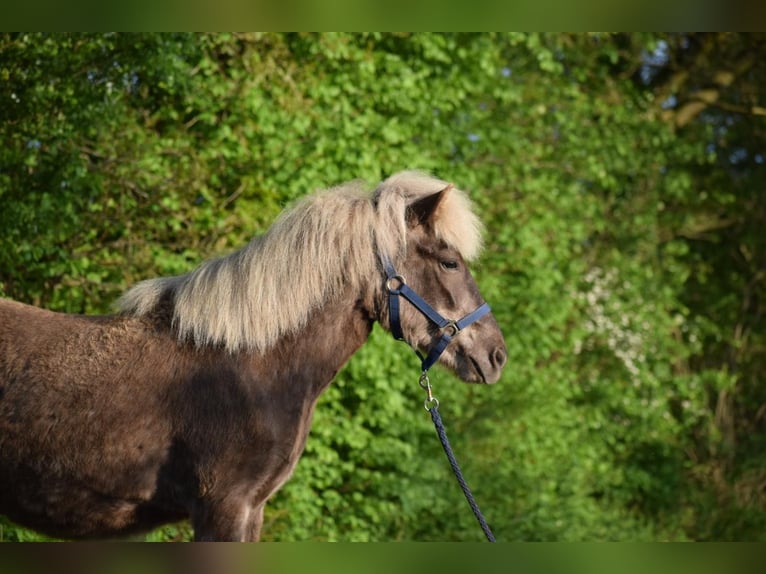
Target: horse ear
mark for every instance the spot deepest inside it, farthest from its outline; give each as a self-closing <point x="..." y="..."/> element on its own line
<point x="425" y="210"/>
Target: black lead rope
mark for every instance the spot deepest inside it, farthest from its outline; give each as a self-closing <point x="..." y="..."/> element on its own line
<point x="397" y="287"/>
<point x="436" y="417"/>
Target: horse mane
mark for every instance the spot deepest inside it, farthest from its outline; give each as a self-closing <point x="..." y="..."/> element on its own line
<point x="312" y="253"/>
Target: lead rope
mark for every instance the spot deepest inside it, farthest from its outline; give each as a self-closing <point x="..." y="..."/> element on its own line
<point x="397" y="287"/>
<point x="433" y="409"/>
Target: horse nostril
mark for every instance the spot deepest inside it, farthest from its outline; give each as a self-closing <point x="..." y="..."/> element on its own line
<point x="499" y="358"/>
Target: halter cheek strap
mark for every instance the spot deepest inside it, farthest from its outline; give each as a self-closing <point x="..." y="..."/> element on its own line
<point x="397" y="287"/>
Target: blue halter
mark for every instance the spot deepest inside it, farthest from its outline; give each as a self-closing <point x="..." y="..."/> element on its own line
<point x="450" y="329"/>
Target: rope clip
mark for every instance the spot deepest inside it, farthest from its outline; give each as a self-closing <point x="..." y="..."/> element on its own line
<point x="425" y="384"/>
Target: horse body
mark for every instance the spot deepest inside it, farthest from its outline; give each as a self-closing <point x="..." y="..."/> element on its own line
<point x="116" y="424"/>
<point x="131" y="430"/>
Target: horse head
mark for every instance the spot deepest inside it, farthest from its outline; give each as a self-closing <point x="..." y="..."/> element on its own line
<point x="441" y="234"/>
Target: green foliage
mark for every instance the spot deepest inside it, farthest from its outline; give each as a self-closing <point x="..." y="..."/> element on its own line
<point x="625" y="256"/>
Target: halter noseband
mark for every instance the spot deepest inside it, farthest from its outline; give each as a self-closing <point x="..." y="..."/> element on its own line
<point x="449" y="328"/>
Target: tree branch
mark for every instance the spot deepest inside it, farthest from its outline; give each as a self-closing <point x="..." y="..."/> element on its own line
<point x="701" y="99"/>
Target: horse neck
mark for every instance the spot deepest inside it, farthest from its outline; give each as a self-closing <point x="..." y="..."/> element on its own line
<point x="311" y="357"/>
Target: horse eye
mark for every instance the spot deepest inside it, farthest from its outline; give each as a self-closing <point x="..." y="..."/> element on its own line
<point x="449" y="265"/>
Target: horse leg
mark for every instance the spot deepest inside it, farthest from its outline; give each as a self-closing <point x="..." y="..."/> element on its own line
<point x="221" y="520"/>
<point x="255" y="522"/>
<point x="233" y="521"/>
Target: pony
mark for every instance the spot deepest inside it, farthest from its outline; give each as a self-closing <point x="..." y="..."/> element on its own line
<point x="194" y="399"/>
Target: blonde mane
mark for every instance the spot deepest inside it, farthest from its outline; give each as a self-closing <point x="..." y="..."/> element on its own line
<point x="312" y="253"/>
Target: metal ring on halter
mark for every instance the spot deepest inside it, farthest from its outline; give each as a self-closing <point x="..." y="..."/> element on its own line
<point x="399" y="278"/>
<point x="451" y="328"/>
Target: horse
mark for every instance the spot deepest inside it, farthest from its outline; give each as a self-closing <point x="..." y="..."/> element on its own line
<point x="194" y="399"/>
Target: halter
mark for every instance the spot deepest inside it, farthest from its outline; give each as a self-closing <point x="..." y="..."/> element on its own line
<point x="449" y="328"/>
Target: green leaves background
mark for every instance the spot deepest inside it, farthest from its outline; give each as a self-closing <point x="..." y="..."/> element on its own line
<point x="620" y="178"/>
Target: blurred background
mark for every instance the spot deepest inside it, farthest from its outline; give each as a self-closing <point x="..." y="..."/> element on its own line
<point x="621" y="180"/>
